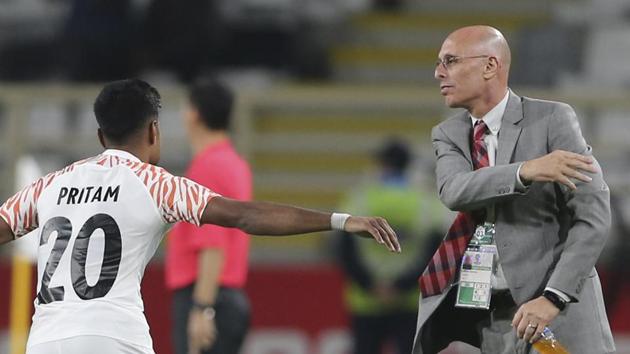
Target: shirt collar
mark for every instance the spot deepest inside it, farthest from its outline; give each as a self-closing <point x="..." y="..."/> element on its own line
<point x="122" y="154"/>
<point x="219" y="145"/>
<point x="494" y="117"/>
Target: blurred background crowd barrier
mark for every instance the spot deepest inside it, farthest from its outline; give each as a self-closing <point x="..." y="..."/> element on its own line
<point x="320" y="84"/>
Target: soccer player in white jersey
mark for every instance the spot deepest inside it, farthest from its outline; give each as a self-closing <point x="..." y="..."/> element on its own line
<point x="101" y="219"/>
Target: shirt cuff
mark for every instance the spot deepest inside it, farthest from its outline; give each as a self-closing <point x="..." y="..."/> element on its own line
<point x="562" y="295"/>
<point x="520" y="186"/>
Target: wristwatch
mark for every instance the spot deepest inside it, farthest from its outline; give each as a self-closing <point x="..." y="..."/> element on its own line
<point x="206" y="309"/>
<point x="555" y="299"/>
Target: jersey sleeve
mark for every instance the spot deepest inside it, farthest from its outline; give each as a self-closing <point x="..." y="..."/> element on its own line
<point x="177" y="198"/>
<point x="20" y="211"/>
<point x="210" y="236"/>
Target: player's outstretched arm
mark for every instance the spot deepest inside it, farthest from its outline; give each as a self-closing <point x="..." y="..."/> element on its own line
<point x="6" y="234"/>
<point x="263" y="218"/>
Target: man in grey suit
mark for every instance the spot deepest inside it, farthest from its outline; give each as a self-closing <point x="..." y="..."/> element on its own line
<point x="543" y="194"/>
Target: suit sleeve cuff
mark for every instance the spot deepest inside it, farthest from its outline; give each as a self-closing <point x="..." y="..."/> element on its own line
<point x="520" y="186"/>
<point x="562" y="295"/>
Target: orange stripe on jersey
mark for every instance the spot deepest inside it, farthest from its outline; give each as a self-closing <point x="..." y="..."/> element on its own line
<point x="189" y="197"/>
<point x="170" y="197"/>
<point x="16" y="212"/>
<point x="160" y="185"/>
<point x="12" y="200"/>
<point x="172" y="194"/>
<point x="29" y="217"/>
<point x="38" y="187"/>
<point x="16" y="205"/>
<point x="195" y="192"/>
<point x="153" y="188"/>
<point x="186" y="196"/>
<point x="48" y="183"/>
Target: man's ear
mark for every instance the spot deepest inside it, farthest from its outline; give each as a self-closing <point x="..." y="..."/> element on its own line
<point x="101" y="138"/>
<point x="154" y="132"/>
<point x="492" y="68"/>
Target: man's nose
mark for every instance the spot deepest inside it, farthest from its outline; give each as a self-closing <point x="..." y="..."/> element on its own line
<point x="440" y="72"/>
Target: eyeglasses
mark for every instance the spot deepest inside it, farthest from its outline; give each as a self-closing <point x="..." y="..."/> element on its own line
<point x="450" y="60"/>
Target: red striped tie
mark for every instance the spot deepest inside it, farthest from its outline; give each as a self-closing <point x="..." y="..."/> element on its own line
<point x="444" y="264"/>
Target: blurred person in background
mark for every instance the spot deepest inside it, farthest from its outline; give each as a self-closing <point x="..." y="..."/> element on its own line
<point x="382" y="291"/>
<point x="526" y="184"/>
<point x="207" y="266"/>
<point x="120" y="204"/>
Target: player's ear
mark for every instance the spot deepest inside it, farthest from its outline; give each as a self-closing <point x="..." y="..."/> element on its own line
<point x="101" y="138"/>
<point x="154" y="132"/>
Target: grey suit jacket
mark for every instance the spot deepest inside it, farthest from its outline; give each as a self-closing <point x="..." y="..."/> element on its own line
<point x="547" y="235"/>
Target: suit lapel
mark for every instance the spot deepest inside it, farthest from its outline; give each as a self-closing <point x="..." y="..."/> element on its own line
<point x="460" y="133"/>
<point x="510" y="131"/>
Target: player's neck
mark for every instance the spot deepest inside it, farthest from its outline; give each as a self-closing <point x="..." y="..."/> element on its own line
<point x="141" y="153"/>
<point x="206" y="138"/>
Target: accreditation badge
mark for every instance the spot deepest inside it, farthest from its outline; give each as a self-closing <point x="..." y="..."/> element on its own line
<point x="475" y="276"/>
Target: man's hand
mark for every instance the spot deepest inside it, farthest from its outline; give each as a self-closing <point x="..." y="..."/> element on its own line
<point x="374" y="227"/>
<point x="532" y="317"/>
<point x="558" y="166"/>
<point x="202" y="331"/>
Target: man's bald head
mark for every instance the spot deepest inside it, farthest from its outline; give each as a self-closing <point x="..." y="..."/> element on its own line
<point x="473" y="68"/>
<point x="481" y="39"/>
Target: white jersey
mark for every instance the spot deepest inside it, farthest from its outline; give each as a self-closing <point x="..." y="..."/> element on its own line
<point x="100" y="221"/>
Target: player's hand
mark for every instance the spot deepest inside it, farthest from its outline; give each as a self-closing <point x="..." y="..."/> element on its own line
<point x="532" y="317"/>
<point x="202" y="331"/>
<point x="558" y="166"/>
<point x="374" y="227"/>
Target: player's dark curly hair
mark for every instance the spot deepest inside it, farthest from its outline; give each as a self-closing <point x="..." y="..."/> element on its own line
<point x="213" y="101"/>
<point x="123" y="107"/>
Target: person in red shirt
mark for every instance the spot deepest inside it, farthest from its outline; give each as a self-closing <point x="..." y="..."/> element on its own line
<point x="207" y="266"/>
